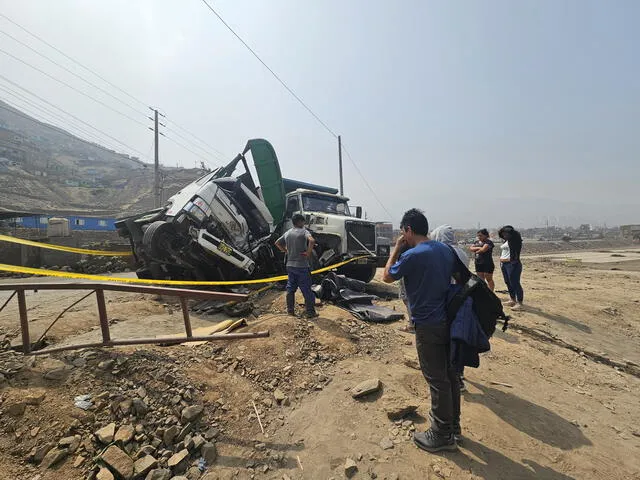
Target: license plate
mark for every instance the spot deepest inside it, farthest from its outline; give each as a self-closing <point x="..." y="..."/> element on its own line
<point x="224" y="248"/>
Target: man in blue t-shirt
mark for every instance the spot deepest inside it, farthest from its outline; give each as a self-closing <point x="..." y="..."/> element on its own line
<point x="427" y="268"/>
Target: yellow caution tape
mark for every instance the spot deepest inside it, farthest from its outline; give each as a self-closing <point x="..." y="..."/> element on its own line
<point x="62" y="248"/>
<point x="104" y="278"/>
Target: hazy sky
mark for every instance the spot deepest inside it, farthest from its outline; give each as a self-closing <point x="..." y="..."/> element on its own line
<point x="475" y="111"/>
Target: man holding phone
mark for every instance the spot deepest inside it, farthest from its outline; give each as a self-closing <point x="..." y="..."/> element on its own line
<point x="426" y="269"/>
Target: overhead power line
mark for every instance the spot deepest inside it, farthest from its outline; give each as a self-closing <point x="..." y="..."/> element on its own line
<point x="282" y="82"/>
<point x="70" y="71"/>
<point x="102" y="78"/>
<point x="70" y="115"/>
<point x="275" y="75"/>
<point x="367" y="183"/>
<point x="72" y="87"/>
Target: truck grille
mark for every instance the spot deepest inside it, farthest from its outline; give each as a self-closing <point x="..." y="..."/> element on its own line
<point x="364" y="232"/>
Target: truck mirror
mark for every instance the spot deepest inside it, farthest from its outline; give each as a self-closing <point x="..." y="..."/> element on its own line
<point x="358" y="212"/>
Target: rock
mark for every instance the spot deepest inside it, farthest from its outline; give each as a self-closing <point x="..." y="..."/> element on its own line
<point x="79" y="362"/>
<point x="198" y="442"/>
<point x="118" y="461"/>
<point x="124" y="434"/>
<point x="53" y="457"/>
<point x="397" y="407"/>
<point x="191" y="414"/>
<point x="38" y="453"/>
<point x="179" y="461"/>
<point x="70" y="443"/>
<point x="16" y="409"/>
<point x="144" y="465"/>
<point x="411" y="362"/>
<point x="365" y="388"/>
<point x="139" y="407"/>
<point x="35" y="398"/>
<point x="159" y="474"/>
<point x="211" y="433"/>
<point x="279" y="395"/>
<point x="55" y="374"/>
<point x="78" y="461"/>
<point x="104" y="474"/>
<point x="386" y="444"/>
<point x="170" y="435"/>
<point x="209" y="452"/>
<point x="350" y="468"/>
<point x="106" y="364"/>
<point x="193" y="473"/>
<point x="105" y="434"/>
<point x="185" y="430"/>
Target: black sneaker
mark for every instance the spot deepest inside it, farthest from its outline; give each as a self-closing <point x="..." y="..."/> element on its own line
<point x="310" y="315"/>
<point x="463" y="387"/>
<point x="457" y="433"/>
<point x="432" y="441"/>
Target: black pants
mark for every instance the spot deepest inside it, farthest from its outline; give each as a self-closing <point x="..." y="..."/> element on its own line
<point x="433" y="345"/>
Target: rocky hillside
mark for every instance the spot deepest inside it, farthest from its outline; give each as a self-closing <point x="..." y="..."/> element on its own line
<point x="46" y="169"/>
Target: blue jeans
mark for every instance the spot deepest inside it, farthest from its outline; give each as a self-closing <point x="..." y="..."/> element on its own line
<point x="300" y="278"/>
<point x="512" y="271"/>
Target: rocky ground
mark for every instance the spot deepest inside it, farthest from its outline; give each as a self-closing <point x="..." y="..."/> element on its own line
<point x="555" y="399"/>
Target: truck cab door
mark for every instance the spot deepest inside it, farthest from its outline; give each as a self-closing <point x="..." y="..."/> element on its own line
<point x="293" y="207"/>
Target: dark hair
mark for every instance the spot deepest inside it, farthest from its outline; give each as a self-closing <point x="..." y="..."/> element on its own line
<point x="415" y="219"/>
<point x="510" y="230"/>
<point x="298" y="219"/>
<point x="484" y="231"/>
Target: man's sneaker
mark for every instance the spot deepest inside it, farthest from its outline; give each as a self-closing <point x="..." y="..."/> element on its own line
<point x="509" y="303"/>
<point x="517" y="307"/>
<point x="457" y="433"/>
<point x="432" y="441"/>
<point x="310" y="315"/>
<point x="463" y="387"/>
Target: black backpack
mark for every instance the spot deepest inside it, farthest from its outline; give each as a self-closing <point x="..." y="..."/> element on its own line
<point x="486" y="305"/>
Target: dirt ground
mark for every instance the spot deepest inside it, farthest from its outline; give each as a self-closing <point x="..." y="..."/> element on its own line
<point x="556" y="398"/>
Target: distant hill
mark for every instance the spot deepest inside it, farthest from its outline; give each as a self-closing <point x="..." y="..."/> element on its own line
<point x="46" y="169"/>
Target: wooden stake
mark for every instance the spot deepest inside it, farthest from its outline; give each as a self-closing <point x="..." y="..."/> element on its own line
<point x="502" y="384"/>
<point x="255" y="409"/>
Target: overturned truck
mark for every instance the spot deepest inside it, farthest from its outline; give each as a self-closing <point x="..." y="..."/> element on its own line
<point x="223" y="226"/>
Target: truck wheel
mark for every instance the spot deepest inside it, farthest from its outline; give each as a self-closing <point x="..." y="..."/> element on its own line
<point x="158" y="238"/>
<point x="364" y="273"/>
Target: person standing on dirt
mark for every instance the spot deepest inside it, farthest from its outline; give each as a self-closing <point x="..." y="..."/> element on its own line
<point x="298" y="244"/>
<point x="483" y="250"/>
<point x="511" y="265"/>
<point x="427" y="268"/>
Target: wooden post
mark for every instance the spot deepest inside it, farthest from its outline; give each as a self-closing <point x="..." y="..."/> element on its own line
<point x="102" y="314"/>
<point x="24" y="322"/>
<point x="185" y="313"/>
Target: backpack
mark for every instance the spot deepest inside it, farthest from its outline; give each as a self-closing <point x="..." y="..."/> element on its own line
<point x="486" y="304"/>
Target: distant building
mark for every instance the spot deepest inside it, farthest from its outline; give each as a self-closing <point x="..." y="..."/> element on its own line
<point x="76" y="222"/>
<point x="630" y="231"/>
<point x="384" y="229"/>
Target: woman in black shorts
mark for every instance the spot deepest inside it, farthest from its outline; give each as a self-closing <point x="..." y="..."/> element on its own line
<point x="483" y="250"/>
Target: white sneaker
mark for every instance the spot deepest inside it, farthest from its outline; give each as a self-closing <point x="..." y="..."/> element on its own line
<point x="509" y="303"/>
<point x="517" y="307"/>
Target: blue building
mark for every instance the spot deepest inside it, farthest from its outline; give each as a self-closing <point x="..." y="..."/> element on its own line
<point x="76" y="222"/>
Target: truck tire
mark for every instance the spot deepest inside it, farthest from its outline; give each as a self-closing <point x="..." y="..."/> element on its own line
<point x="364" y="273"/>
<point x="157" y="239"/>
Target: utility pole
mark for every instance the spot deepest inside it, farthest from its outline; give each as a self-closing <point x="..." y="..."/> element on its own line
<point x="340" y="163"/>
<point x="156" y="163"/>
<point x="157" y="201"/>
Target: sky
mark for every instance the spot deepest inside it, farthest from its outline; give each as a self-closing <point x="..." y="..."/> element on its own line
<point x="478" y="112"/>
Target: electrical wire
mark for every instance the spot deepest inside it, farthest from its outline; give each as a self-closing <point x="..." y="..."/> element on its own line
<point x="72" y="87"/>
<point x="275" y="75"/>
<point x="70" y="71"/>
<point x="179" y="135"/>
<point x="97" y="75"/>
<point x="71" y="115"/>
<point x="282" y="82"/>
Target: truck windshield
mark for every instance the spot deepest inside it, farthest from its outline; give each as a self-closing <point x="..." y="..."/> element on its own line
<point x="321" y="203"/>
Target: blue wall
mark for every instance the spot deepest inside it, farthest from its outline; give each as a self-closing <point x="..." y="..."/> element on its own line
<point x="75" y="222"/>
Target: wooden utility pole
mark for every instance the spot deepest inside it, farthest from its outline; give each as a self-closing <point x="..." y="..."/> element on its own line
<point x="340" y="163"/>
<point x="156" y="163"/>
